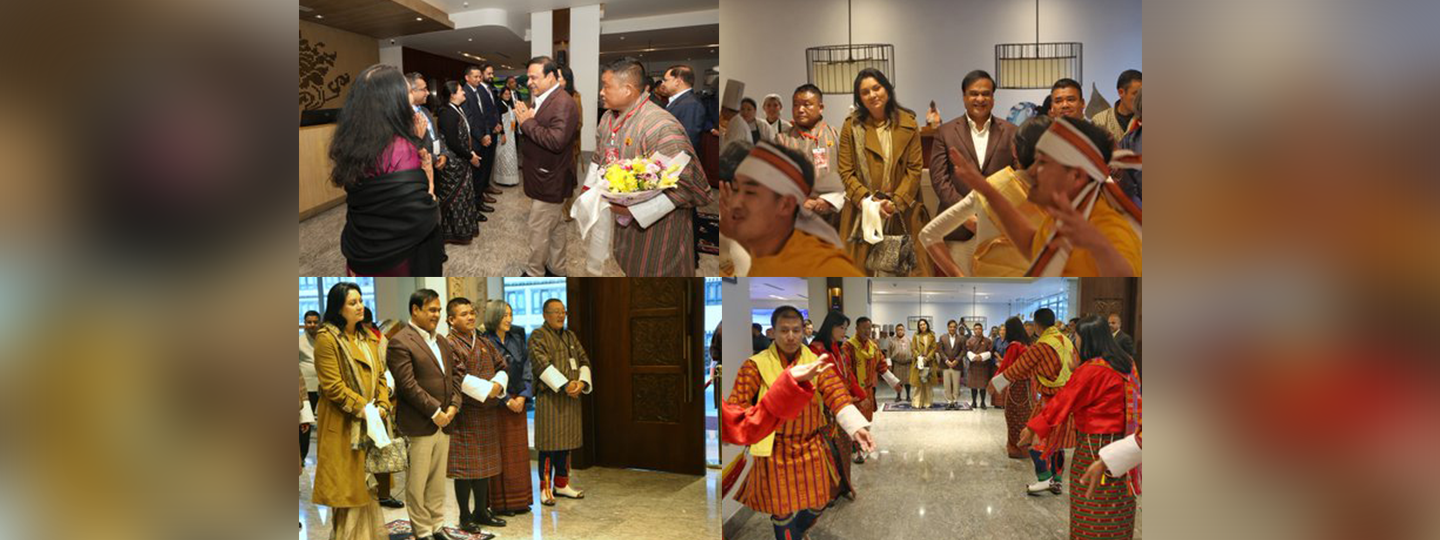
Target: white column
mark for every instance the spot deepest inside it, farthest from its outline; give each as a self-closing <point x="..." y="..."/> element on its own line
<point x="585" y="63"/>
<point x="819" y="304"/>
<point x="857" y="298"/>
<point x="436" y="284"/>
<point x="735" y="348"/>
<point x="391" y="55"/>
<point x="542" y="33"/>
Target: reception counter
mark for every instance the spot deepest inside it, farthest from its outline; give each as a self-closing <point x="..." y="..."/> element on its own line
<point x="316" y="193"/>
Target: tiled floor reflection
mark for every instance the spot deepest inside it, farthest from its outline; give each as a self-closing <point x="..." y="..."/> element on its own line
<point x="939" y="475"/>
<point x="619" y="504"/>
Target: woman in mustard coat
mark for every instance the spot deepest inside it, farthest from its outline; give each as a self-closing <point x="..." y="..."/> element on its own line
<point x="927" y="352"/>
<point x="882" y="162"/>
<point x="351" y="375"/>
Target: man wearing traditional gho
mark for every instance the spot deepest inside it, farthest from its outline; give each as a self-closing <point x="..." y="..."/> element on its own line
<point x="475" y="436"/>
<point x="660" y="241"/>
<point x="563" y="369"/>
<point x="793" y="478"/>
<point x="870" y="366"/>
<point x="1047" y="364"/>
<point x="981" y="355"/>
<point x="1090" y="228"/>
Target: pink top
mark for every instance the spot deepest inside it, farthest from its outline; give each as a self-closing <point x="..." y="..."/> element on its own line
<point x="400" y="155"/>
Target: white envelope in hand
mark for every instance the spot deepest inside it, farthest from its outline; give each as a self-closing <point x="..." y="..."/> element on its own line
<point x="375" y="427"/>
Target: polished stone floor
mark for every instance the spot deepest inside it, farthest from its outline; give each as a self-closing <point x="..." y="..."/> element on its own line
<point x="939" y="475"/>
<point x="500" y="250"/>
<point x="619" y="504"/>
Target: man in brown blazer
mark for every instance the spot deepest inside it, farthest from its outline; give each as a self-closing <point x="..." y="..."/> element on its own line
<point x="427" y="375"/>
<point x="982" y="138"/>
<point x="549" y="173"/>
<point x="952" y="351"/>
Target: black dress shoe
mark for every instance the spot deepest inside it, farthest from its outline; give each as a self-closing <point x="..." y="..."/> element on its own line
<point x="489" y="520"/>
<point x="390" y="502"/>
<point x="482" y="219"/>
<point x="493" y="190"/>
<point x="487" y="198"/>
<point x="485" y="207"/>
<point x="440" y="535"/>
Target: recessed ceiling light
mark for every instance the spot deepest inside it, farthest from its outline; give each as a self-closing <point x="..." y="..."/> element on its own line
<point x="467" y="4"/>
<point x="419" y="18"/>
<point x="622" y="38"/>
<point x="319" y="16"/>
<point x="470" y="39"/>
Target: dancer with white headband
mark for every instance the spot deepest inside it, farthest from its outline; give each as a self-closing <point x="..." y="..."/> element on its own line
<point x="1091" y="228"/>
<point x="763" y="213"/>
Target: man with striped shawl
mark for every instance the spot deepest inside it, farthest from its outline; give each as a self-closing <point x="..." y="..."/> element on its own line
<point x="660" y="240"/>
<point x="793" y="477"/>
<point x="1048" y="364"/>
<point x="563" y="369"/>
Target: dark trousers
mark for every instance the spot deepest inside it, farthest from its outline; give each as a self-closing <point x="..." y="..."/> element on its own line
<point x="305" y="435"/>
<point x="481" y="174"/>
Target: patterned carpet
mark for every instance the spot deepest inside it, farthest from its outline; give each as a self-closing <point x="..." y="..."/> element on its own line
<point x="500" y="250"/>
<point x="905" y="407"/>
<point x="400" y="530"/>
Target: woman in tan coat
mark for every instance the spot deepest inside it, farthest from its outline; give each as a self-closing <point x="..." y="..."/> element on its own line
<point x="351" y="374"/>
<point x="880" y="158"/>
<point x="927" y="352"/>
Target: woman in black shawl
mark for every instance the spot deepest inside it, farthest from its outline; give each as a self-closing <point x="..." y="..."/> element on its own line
<point x="392" y="220"/>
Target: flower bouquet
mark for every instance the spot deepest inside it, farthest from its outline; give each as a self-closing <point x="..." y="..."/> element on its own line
<point x="632" y="181"/>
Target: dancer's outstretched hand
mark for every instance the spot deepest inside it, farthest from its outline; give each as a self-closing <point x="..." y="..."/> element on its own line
<point x="866" y="442"/>
<point x="806" y="372"/>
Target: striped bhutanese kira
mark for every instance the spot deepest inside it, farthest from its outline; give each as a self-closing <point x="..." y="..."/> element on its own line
<point x="1041" y="360"/>
<point x="511" y="490"/>
<point x="800" y="472"/>
<point x="844" y="448"/>
<point x="557" y="415"/>
<point x="1103" y="405"/>
<point x="666" y="247"/>
<point x="1110" y="513"/>
<point x="1019" y="398"/>
<point x="474" y="444"/>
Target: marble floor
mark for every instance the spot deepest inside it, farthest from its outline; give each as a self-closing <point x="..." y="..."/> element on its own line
<point x="939" y="475"/>
<point x="500" y="250"/>
<point x="619" y="504"/>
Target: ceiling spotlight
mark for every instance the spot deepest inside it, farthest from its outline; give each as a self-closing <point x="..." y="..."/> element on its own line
<point x="319" y="16"/>
<point x="419" y="18"/>
<point x="622" y="38"/>
<point x="470" y="39"/>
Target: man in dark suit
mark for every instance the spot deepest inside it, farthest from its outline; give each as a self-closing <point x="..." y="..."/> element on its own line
<point x="419" y="93"/>
<point x="427" y="375"/>
<point x="985" y="140"/>
<point x="480" y="111"/>
<point x="683" y="105"/>
<point x="549" y="174"/>
<point x="1126" y="342"/>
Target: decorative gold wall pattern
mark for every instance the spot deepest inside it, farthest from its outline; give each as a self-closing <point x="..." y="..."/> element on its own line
<point x="330" y="59"/>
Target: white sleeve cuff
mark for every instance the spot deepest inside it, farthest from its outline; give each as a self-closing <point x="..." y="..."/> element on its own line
<point x="890" y="378"/>
<point x="585" y="377"/>
<point x="985" y="355"/>
<point x="306" y="415"/>
<point x="552" y="377"/>
<point x="1000" y="383"/>
<point x="1121" y="456"/>
<point x="478" y="389"/>
<point x="836" y="199"/>
<point x="971" y="355"/>
<point x="502" y="379"/>
<point x="648" y="212"/>
<point x="851" y="420"/>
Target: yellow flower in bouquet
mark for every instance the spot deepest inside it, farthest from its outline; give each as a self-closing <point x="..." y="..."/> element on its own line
<point x="642" y="174"/>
